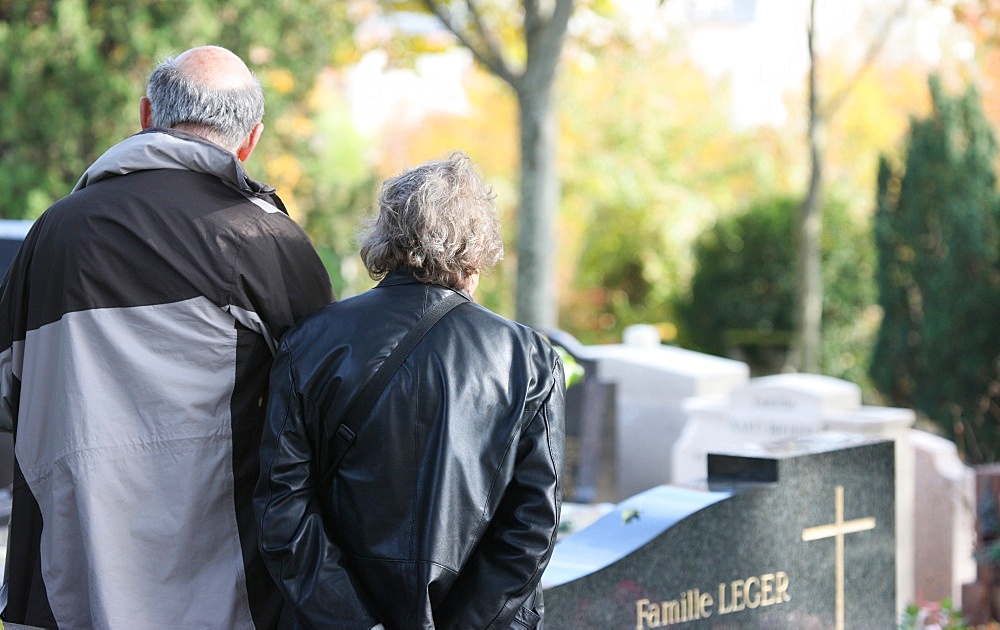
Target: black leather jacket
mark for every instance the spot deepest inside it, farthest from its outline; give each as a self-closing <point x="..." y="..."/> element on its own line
<point x="444" y="512"/>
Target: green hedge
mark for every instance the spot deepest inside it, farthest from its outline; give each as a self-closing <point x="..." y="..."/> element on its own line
<point x="742" y="293"/>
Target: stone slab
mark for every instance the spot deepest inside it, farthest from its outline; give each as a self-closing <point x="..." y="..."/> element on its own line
<point x="754" y="546"/>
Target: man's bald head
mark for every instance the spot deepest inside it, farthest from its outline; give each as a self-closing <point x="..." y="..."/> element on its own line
<point x="214" y="66"/>
<point x="207" y="90"/>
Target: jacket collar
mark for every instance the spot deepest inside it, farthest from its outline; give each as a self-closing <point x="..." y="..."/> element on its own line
<point x="405" y="275"/>
<point x="160" y="148"/>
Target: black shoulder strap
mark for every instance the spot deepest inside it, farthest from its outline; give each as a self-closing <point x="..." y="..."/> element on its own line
<point x="359" y="408"/>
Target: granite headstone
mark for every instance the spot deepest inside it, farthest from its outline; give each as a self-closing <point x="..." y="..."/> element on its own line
<point x="791" y="534"/>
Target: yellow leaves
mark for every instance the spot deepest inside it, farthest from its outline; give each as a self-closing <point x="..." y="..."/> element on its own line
<point x="286" y="169"/>
<point x="296" y="125"/>
<point x="279" y="80"/>
<point x="874" y="119"/>
<point x="285" y="173"/>
<point x="905" y="253"/>
<point x="487" y="132"/>
<point x="668" y="331"/>
<point x="260" y="55"/>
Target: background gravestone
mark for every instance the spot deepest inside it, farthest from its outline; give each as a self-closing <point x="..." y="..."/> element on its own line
<point x="781" y="406"/>
<point x="943" y="520"/>
<point x="755" y="546"/>
<point x="784" y="406"/>
<point x="590" y="470"/>
<point x="634" y="414"/>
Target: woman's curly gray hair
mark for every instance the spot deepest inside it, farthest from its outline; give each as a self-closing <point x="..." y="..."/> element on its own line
<point x="438" y="219"/>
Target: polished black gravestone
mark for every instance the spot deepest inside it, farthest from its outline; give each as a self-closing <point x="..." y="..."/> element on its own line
<point x="797" y="534"/>
<point x="590" y="471"/>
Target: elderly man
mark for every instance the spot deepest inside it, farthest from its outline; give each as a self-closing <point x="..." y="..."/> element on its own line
<point x="435" y="502"/>
<point x="137" y="327"/>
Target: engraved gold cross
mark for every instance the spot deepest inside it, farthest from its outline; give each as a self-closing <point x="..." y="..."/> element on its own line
<point x="836" y="530"/>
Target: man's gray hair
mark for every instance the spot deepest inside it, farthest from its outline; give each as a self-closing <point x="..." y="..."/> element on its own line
<point x="224" y="116"/>
<point x="437" y="219"/>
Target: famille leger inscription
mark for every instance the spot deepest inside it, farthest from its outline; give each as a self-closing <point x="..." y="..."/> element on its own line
<point x="752" y="592"/>
<point x="755" y="591"/>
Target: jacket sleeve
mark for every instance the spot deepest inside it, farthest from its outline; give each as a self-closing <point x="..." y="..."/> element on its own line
<point x="9" y="381"/>
<point x="278" y="278"/>
<point x="307" y="565"/>
<point x="13" y="328"/>
<point x="507" y="565"/>
<point x="10" y="385"/>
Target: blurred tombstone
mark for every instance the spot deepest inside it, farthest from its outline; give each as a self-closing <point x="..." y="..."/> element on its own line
<point x="783" y="406"/>
<point x="626" y="422"/>
<point x="589" y="469"/>
<point x="981" y="598"/>
<point x="944" y="519"/>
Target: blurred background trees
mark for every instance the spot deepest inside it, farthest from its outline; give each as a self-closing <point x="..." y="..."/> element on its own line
<point x="938" y="236"/>
<point x="742" y="293"/>
<point x="677" y="183"/>
<point x="72" y="72"/>
<point x="529" y="69"/>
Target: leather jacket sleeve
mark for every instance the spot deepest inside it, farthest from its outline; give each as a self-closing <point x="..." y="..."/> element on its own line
<point x="306" y="564"/>
<point x="506" y="568"/>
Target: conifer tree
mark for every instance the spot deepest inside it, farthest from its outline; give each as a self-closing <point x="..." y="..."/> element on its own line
<point x="939" y="280"/>
<point x="895" y="344"/>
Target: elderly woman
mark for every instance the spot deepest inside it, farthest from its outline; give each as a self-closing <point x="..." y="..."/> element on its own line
<point x="411" y="481"/>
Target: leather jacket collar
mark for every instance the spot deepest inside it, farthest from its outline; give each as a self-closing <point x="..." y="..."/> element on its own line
<point x="407" y="275"/>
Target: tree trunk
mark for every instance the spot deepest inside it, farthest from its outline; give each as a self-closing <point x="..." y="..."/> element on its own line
<point x="539" y="203"/>
<point x="805" y="355"/>
<point x="544" y="31"/>
<point x="809" y="310"/>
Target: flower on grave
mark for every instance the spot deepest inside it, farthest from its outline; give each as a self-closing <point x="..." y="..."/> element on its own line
<point x="926" y="615"/>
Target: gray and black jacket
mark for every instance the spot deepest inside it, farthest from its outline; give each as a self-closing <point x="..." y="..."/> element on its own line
<point x="138" y="324"/>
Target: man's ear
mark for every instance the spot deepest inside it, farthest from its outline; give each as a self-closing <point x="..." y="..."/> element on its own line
<point x="145" y="113"/>
<point x="250" y="143"/>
